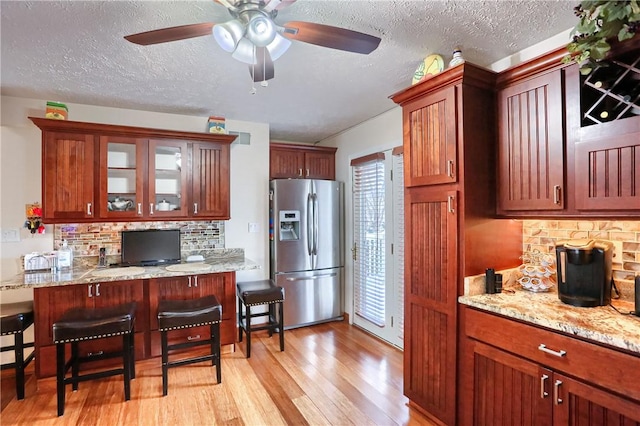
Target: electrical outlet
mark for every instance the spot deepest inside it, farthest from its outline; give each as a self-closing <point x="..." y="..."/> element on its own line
<point x="11" y="235"/>
<point x="617" y="251"/>
<point x="254" y="228"/>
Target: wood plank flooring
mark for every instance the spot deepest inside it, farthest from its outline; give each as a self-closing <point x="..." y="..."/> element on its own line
<point x="329" y="374"/>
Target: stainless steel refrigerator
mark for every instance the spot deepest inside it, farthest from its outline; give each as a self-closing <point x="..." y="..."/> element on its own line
<point x="307" y="249"/>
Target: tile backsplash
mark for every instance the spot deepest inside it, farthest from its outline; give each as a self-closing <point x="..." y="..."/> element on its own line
<point x="86" y="239"/>
<point x="543" y="234"/>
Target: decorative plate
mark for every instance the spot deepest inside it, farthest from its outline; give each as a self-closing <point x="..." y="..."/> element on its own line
<point x="431" y="65"/>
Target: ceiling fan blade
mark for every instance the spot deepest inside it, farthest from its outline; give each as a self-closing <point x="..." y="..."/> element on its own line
<point x="171" y="34"/>
<point x="333" y="37"/>
<point x="262" y="70"/>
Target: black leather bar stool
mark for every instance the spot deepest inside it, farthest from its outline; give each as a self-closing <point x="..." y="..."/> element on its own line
<point x="179" y="314"/>
<point x="79" y="324"/>
<point x="15" y="318"/>
<point x="255" y="293"/>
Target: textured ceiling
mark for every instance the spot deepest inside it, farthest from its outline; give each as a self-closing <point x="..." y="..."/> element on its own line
<point x="74" y="51"/>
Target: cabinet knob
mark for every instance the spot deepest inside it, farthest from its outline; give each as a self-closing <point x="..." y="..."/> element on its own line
<point x="97" y="289"/>
<point x="150" y="208"/>
<point x="195" y="208"/>
<point x="89" y="209"/>
<point x="300" y="172"/>
<point x="90" y="286"/>
<point x="307" y="172"/>
<point x="140" y="208"/>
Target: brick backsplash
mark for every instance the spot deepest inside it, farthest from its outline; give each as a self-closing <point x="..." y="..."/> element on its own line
<point x="543" y="234"/>
<point x="86" y="239"/>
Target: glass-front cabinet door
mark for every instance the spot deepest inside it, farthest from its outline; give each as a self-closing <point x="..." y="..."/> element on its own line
<point x="168" y="178"/>
<point x="122" y="177"/>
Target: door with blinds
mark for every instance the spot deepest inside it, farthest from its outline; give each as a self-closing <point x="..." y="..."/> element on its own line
<point x="378" y="227"/>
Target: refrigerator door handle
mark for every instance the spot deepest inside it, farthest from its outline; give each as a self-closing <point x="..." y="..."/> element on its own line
<point x="313" y="277"/>
<point x="309" y="219"/>
<point x="315" y="224"/>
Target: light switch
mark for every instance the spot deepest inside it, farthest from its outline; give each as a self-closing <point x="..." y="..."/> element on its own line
<point x="10" y="235"/>
<point x="254" y="228"/>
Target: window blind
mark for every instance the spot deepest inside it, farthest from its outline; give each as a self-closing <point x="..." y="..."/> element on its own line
<point x="398" y="229"/>
<point x="369" y="238"/>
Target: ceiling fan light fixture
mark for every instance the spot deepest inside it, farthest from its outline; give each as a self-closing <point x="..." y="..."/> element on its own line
<point x="260" y="30"/>
<point x="229" y="34"/>
<point x="278" y="46"/>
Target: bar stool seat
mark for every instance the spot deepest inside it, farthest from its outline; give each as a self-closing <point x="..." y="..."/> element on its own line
<point x="179" y="314"/>
<point x="15" y="318"/>
<point x="79" y="324"/>
<point x="256" y="293"/>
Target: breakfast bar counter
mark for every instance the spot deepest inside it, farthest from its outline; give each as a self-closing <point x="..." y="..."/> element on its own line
<point x="88" y="286"/>
<point x="85" y="271"/>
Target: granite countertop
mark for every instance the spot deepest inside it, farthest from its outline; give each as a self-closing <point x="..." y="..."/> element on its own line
<point x="601" y="324"/>
<point x="85" y="271"/>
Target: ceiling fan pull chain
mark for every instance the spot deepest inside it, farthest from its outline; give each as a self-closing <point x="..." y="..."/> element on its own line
<point x="264" y="82"/>
<point x="253" y="90"/>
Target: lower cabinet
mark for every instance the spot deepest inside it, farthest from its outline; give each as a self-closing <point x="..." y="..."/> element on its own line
<point x="190" y="287"/>
<point x="575" y="383"/>
<point x="51" y="302"/>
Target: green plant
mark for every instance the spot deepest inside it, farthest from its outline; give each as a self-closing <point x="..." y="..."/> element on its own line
<point x="600" y="21"/>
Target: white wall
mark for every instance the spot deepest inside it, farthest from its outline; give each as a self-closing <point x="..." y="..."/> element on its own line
<point x="20" y="178"/>
<point x="377" y="134"/>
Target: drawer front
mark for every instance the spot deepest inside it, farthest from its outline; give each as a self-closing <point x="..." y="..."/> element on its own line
<point x="608" y="368"/>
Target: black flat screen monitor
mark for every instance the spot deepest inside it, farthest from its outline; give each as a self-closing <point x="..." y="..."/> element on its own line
<point x="150" y="247"/>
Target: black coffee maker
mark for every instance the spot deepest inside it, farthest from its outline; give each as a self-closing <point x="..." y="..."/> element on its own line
<point x="584" y="272"/>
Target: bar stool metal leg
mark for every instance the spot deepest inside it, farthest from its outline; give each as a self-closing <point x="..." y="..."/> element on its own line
<point x="247" y="331"/>
<point x="75" y="360"/>
<point x="165" y="363"/>
<point x="126" y="361"/>
<point x="281" y="325"/>
<point x="60" y="363"/>
<point x="19" y="355"/>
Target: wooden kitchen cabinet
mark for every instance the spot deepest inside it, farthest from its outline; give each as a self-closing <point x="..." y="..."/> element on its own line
<point x="514" y="382"/>
<point x="429" y="124"/>
<point x="449" y="149"/>
<point x="431" y="282"/>
<point x="221" y="285"/>
<point x="569" y="144"/>
<point x="100" y="172"/>
<point x="68" y="164"/>
<point x="301" y="162"/>
<point x="50" y="303"/>
<point x="531" y="144"/>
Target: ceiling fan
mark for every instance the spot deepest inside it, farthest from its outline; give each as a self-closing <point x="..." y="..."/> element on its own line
<point x="254" y="38"/>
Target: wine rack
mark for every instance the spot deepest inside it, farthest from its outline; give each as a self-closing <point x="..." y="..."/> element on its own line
<point x="611" y="91"/>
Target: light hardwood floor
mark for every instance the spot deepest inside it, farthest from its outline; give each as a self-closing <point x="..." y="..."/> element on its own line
<point x="329" y="374"/>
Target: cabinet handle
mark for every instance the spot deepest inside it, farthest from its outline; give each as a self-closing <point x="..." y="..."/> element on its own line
<point x="543" y="381"/>
<point x="300" y="172"/>
<point x="97" y="289"/>
<point x="95" y="354"/>
<point x="140" y="208"/>
<point x="307" y="172"/>
<point x="544" y="348"/>
<point x="189" y="278"/>
<point x="89" y="209"/>
<point x="197" y="336"/>
<point x="556" y="392"/>
<point x="450" y="204"/>
<point x="90" y="287"/>
<point x="195" y="281"/>
<point x="150" y="208"/>
<point x="195" y="208"/>
<point x="556" y="194"/>
<point x="450" y="168"/>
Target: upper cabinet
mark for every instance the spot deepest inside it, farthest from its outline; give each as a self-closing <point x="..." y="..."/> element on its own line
<point x="289" y="161"/>
<point x="67" y="180"/>
<point x="531" y="148"/>
<point x="569" y="145"/>
<point x="430" y="138"/>
<point x="99" y="172"/>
